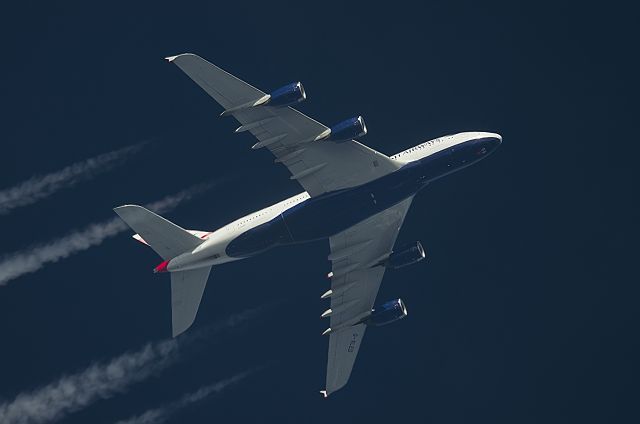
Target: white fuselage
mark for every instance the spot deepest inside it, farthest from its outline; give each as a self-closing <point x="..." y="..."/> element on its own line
<point x="213" y="250"/>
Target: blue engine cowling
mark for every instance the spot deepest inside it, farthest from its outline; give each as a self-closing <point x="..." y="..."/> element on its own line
<point x="348" y="130"/>
<point x="287" y="95"/>
<point x="387" y="313"/>
<point x="406" y="255"/>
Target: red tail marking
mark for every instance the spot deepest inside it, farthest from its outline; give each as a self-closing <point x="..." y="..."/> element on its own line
<point x="161" y="268"/>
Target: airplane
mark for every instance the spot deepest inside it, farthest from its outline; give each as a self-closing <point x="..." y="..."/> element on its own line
<point x="354" y="196"/>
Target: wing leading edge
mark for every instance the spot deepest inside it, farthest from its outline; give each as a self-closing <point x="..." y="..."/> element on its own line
<point x="319" y="166"/>
<point x="354" y="286"/>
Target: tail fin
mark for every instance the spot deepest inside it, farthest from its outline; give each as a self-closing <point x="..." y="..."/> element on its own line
<point x="169" y="240"/>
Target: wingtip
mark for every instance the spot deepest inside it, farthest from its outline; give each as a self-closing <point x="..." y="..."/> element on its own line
<point x="117" y="208"/>
<point x="172" y="58"/>
<point x="324" y="394"/>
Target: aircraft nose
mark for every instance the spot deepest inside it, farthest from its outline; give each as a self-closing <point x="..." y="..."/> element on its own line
<point x="485" y="143"/>
<point x="494" y="140"/>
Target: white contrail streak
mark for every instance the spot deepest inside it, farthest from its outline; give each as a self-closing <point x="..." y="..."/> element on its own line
<point x="102" y="380"/>
<point x="17" y="264"/>
<point x="205" y="332"/>
<point x="160" y="415"/>
<point x="41" y="186"/>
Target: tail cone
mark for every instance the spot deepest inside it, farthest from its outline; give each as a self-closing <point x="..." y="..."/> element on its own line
<point x="161" y="268"/>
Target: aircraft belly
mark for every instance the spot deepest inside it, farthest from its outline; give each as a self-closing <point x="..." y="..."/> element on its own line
<point x="326" y="215"/>
<point x="330" y="213"/>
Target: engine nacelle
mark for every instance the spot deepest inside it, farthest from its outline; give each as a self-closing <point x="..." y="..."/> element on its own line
<point x="287" y="95"/>
<point x="387" y="313"/>
<point x="405" y="255"/>
<point x="348" y="130"/>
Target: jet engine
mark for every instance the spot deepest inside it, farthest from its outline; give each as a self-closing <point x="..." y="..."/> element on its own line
<point x="348" y="130"/>
<point x="387" y="313"/>
<point x="405" y="255"/>
<point x="287" y="95"/>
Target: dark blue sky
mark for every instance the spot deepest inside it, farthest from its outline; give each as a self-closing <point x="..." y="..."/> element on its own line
<point x="521" y="313"/>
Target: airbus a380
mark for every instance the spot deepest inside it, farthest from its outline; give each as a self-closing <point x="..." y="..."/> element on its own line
<point x="354" y="196"/>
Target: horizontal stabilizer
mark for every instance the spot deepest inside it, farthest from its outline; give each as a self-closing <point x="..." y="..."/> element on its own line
<point x="187" y="288"/>
<point x="166" y="238"/>
<point x="169" y="241"/>
<point x="198" y="233"/>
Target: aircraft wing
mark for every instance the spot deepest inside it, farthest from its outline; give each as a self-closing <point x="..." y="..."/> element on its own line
<point x="319" y="166"/>
<point x="354" y="285"/>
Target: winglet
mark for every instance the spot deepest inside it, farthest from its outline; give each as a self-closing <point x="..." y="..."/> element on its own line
<point x="171" y="58"/>
<point x="324" y="393"/>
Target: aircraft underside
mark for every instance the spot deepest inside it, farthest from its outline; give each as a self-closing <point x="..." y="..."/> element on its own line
<point x="354" y="196"/>
<point x="330" y="213"/>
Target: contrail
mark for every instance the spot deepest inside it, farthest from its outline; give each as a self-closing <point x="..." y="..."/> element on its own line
<point x="102" y="380"/>
<point x="160" y="415"/>
<point x="232" y="321"/>
<point x="17" y="264"/>
<point x="99" y="381"/>
<point x="41" y="186"/>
